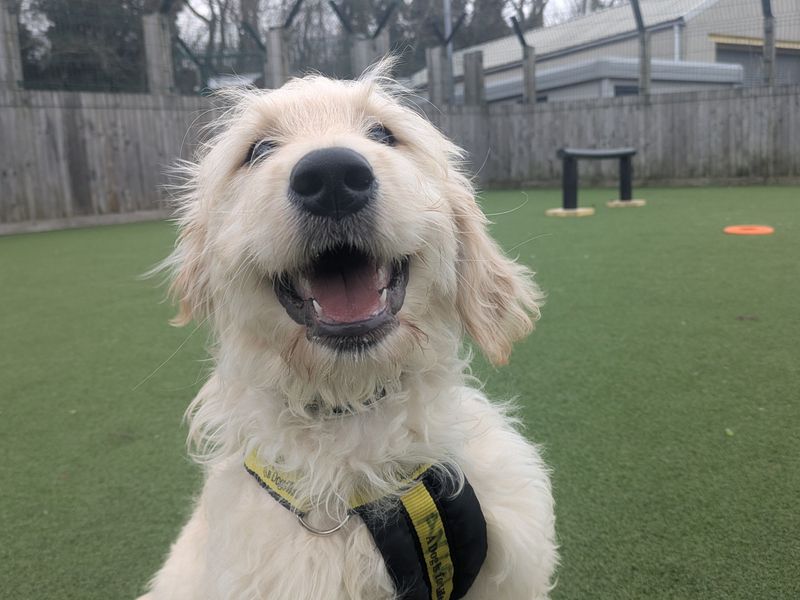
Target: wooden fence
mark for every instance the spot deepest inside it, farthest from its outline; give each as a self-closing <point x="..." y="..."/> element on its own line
<point x="69" y="157"/>
<point x="721" y="136"/>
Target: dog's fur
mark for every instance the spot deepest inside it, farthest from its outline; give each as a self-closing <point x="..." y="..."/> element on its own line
<point x="238" y="231"/>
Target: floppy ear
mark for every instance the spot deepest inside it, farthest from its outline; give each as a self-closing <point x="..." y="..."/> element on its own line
<point x="497" y="299"/>
<point x="190" y="286"/>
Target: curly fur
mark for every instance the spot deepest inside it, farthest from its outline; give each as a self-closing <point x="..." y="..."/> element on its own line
<point x="237" y="231"/>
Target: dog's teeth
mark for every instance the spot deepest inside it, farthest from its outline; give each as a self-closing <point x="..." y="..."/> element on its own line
<point x="384" y="295"/>
<point x="317" y="307"/>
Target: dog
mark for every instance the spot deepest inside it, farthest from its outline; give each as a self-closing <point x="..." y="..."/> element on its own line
<point x="331" y="240"/>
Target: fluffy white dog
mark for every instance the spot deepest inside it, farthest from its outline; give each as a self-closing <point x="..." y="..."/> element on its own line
<point x="329" y="237"/>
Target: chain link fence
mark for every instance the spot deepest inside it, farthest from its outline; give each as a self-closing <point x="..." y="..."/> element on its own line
<point x="575" y="49"/>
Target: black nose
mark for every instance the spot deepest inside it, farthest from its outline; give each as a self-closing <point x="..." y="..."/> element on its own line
<point x="332" y="182"/>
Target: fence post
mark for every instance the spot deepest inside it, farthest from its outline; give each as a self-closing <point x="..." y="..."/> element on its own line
<point x="277" y="61"/>
<point x="528" y="75"/>
<point x="644" y="50"/>
<point x="382" y="43"/>
<point x="769" y="43"/>
<point x="435" y="59"/>
<point x="10" y="57"/>
<point x="158" y="53"/>
<point x="366" y="50"/>
<point x="644" y="64"/>
<point x="474" y="90"/>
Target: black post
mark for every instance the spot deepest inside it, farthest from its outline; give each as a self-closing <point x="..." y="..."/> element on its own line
<point x="625" y="178"/>
<point x="570" y="183"/>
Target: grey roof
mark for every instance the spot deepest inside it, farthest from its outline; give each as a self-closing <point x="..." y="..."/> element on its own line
<point x="577" y="32"/>
<point x="617" y="68"/>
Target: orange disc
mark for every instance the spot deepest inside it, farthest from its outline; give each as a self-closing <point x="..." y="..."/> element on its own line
<point x="749" y="230"/>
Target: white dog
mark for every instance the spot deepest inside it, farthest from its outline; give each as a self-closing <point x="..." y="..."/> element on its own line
<point x="329" y="237"/>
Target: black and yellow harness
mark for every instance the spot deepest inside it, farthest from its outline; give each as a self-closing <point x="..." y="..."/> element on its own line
<point x="433" y="541"/>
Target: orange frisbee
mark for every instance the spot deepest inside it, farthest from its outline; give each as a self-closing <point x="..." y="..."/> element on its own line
<point x="749" y="230"/>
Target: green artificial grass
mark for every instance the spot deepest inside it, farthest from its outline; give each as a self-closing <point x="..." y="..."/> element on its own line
<point x="663" y="383"/>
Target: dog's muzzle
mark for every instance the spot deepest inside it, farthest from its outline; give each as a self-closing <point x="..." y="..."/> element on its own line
<point x="346" y="295"/>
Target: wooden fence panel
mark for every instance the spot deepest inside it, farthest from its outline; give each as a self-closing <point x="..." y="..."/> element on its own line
<point x="65" y="155"/>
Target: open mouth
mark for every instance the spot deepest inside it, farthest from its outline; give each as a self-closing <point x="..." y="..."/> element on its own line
<point x="345" y="298"/>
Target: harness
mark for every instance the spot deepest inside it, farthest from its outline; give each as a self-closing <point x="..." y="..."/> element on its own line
<point x="433" y="541"/>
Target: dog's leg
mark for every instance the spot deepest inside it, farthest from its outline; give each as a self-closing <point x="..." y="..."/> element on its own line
<point x="182" y="576"/>
<point x="513" y="486"/>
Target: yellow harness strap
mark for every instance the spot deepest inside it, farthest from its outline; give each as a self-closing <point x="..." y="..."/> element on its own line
<point x="433" y="543"/>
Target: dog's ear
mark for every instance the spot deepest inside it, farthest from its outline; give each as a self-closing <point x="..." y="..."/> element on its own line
<point x="497" y="299"/>
<point x="190" y="287"/>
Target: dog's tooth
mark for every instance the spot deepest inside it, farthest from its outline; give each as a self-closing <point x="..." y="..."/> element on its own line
<point x="317" y="307"/>
<point x="384" y="295"/>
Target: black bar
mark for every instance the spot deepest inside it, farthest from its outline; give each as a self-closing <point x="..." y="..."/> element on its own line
<point x="342" y="19"/>
<point x="766" y="8"/>
<point x="385" y="19"/>
<point x="637" y="14"/>
<point x="292" y="14"/>
<point x="625" y="178"/>
<point x="570" y="183"/>
<point x="518" y="31"/>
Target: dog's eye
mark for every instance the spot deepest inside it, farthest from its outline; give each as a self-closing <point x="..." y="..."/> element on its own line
<point x="260" y="149"/>
<point x="382" y="134"/>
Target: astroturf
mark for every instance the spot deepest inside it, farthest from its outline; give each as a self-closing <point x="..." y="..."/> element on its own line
<point x="663" y="383"/>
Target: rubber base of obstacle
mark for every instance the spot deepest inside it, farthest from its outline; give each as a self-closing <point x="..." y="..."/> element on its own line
<point x="587" y="211"/>
<point x="749" y="230"/>
<point x="625" y="203"/>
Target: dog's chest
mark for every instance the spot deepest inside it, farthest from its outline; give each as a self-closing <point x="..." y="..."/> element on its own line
<point x="258" y="548"/>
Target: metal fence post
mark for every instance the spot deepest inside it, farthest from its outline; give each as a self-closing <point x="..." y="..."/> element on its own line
<point x="10" y="59"/>
<point x="158" y="53"/>
<point x="474" y="89"/>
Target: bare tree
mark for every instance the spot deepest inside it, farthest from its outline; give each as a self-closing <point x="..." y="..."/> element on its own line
<point x="530" y="13"/>
<point x="585" y="7"/>
<point x="221" y="18"/>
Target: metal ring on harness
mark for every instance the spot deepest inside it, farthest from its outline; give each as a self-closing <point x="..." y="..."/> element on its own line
<point x="322" y="532"/>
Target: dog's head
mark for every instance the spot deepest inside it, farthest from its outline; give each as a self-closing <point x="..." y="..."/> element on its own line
<point x="327" y="232"/>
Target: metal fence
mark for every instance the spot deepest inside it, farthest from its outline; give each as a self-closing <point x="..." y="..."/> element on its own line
<point x="569" y="51"/>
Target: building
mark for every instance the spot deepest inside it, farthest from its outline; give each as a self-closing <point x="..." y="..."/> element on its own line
<point x="695" y="44"/>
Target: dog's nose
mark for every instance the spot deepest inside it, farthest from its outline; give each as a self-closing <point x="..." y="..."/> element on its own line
<point x="332" y="182"/>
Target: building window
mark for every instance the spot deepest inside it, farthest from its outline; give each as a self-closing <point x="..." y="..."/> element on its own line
<point x="541" y="98"/>
<point x="626" y="90"/>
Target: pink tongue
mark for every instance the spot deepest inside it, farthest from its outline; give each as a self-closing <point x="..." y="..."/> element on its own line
<point x="347" y="295"/>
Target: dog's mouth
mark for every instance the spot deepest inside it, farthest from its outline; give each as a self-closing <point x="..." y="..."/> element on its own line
<point x="346" y="298"/>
